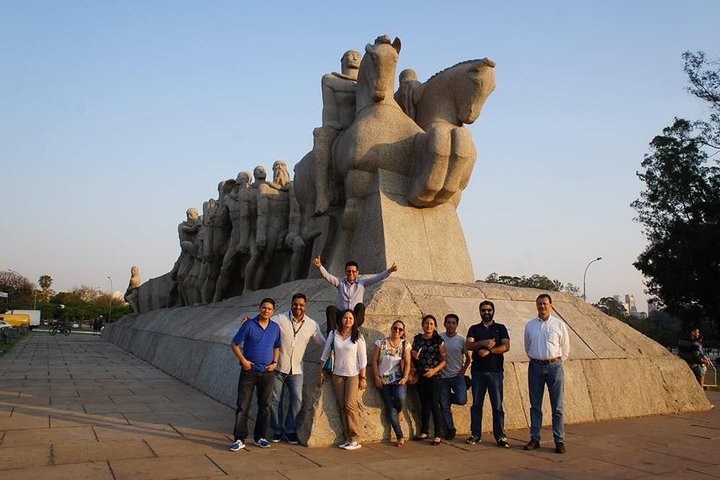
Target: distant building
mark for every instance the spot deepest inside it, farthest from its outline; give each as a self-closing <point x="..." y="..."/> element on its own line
<point x="630" y="306"/>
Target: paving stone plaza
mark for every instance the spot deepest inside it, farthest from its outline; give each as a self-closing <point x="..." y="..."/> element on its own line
<point x="79" y="407"/>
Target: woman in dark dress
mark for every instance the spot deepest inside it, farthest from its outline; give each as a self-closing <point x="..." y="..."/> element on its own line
<point x="429" y="356"/>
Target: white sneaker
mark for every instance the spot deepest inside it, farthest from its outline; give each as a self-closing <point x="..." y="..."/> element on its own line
<point x="353" y="446"/>
<point x="237" y="446"/>
<point x="344" y="444"/>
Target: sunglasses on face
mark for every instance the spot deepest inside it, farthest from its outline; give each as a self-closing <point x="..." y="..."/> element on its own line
<point x="397" y="329"/>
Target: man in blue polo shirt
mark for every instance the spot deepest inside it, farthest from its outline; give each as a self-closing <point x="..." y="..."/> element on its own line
<point x="259" y="354"/>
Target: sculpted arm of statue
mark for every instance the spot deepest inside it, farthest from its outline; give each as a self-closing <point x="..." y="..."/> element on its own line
<point x="294" y="220"/>
<point x="263" y="210"/>
<point x="330" y="109"/>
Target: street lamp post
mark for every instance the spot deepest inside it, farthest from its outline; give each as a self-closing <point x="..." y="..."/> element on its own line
<point x="111" y="297"/>
<point x="585" y="275"/>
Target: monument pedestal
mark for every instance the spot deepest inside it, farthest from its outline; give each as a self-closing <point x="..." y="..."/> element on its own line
<point x="613" y="370"/>
<point x="426" y="243"/>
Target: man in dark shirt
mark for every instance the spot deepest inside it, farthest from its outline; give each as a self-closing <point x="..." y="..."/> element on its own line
<point x="488" y="341"/>
<point x="258" y="355"/>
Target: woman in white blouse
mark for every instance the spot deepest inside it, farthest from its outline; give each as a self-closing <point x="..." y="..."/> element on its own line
<point x="348" y="375"/>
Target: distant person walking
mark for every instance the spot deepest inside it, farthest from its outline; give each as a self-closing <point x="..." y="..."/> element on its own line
<point x="351" y="291"/>
<point x="690" y="349"/>
<point x="547" y="343"/>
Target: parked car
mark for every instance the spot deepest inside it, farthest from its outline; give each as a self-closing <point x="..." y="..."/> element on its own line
<point x="4" y="324"/>
<point x="75" y="325"/>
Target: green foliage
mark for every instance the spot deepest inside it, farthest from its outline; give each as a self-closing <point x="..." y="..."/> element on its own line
<point x="19" y="289"/>
<point x="679" y="207"/>
<point x="541" y="282"/>
<point x="611" y="306"/>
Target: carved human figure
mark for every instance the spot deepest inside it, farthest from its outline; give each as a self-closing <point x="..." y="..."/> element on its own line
<point x="240" y="204"/>
<point x="294" y="240"/>
<point x="131" y="294"/>
<point x="273" y="212"/>
<point x="408" y="91"/>
<point x="338" y="95"/>
<point x="187" y="232"/>
<point x="217" y="228"/>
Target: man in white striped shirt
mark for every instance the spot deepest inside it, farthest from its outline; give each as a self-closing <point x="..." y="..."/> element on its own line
<point x="547" y="343"/>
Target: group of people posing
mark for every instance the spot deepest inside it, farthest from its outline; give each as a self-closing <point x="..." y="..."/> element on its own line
<point x="271" y="347"/>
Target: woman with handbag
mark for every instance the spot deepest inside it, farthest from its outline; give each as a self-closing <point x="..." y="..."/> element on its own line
<point x="429" y="355"/>
<point x="390" y="368"/>
<point x="349" y="352"/>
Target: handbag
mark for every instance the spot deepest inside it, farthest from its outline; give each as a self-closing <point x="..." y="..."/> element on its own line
<point x="412" y="374"/>
<point x="329" y="364"/>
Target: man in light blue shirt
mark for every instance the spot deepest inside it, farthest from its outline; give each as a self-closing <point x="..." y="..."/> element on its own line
<point x="351" y="291"/>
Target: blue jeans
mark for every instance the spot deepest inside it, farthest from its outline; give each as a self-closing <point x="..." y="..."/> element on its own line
<point x="553" y="376"/>
<point x="492" y="383"/>
<point x="281" y="422"/>
<point x="394" y="396"/>
<point x="253" y="380"/>
<point x="452" y="392"/>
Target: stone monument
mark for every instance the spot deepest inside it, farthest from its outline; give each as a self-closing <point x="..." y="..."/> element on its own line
<point x="381" y="184"/>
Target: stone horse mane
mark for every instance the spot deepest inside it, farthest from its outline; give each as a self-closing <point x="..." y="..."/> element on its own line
<point x="490" y="62"/>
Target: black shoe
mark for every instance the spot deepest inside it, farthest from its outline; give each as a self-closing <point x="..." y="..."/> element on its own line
<point x="532" y="444"/>
<point x="559" y="447"/>
<point x="450" y="435"/>
<point x="473" y="440"/>
<point x="276" y="438"/>
<point x="292" y="438"/>
<point x="503" y="443"/>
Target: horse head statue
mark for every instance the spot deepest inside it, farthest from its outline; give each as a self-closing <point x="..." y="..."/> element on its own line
<point x="457" y="94"/>
<point x="446" y="153"/>
<point x="376" y="79"/>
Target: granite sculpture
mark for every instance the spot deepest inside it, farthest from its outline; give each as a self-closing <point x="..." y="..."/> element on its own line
<point x="382" y="161"/>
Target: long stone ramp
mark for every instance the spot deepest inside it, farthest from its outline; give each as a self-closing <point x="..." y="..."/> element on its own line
<point x="613" y="370"/>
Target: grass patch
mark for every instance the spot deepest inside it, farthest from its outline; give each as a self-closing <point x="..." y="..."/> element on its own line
<point x="8" y="343"/>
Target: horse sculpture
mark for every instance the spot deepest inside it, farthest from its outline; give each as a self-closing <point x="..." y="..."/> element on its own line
<point x="446" y="153"/>
<point x="432" y="148"/>
<point x="382" y="136"/>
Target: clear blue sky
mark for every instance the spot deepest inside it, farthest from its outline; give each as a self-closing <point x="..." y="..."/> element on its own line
<point x="115" y="117"/>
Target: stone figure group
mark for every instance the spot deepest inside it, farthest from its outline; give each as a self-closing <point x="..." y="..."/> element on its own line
<point x="244" y="240"/>
<point x="261" y="233"/>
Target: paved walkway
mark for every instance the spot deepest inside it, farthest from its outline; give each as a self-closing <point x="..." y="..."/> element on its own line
<point x="78" y="407"/>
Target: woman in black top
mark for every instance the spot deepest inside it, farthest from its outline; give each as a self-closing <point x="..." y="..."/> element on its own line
<point x="429" y="356"/>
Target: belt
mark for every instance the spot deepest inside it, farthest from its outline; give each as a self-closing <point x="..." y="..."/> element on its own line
<point x="545" y="362"/>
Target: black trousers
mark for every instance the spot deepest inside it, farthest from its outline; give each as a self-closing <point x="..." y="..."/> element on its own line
<point x="262" y="382"/>
<point x="332" y="316"/>
<point x="429" y="393"/>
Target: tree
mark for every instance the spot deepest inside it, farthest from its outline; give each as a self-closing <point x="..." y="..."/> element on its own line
<point x="45" y="282"/>
<point x="611" y="306"/>
<point x="541" y="282"/>
<point x="19" y="289"/>
<point x="679" y="207"/>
